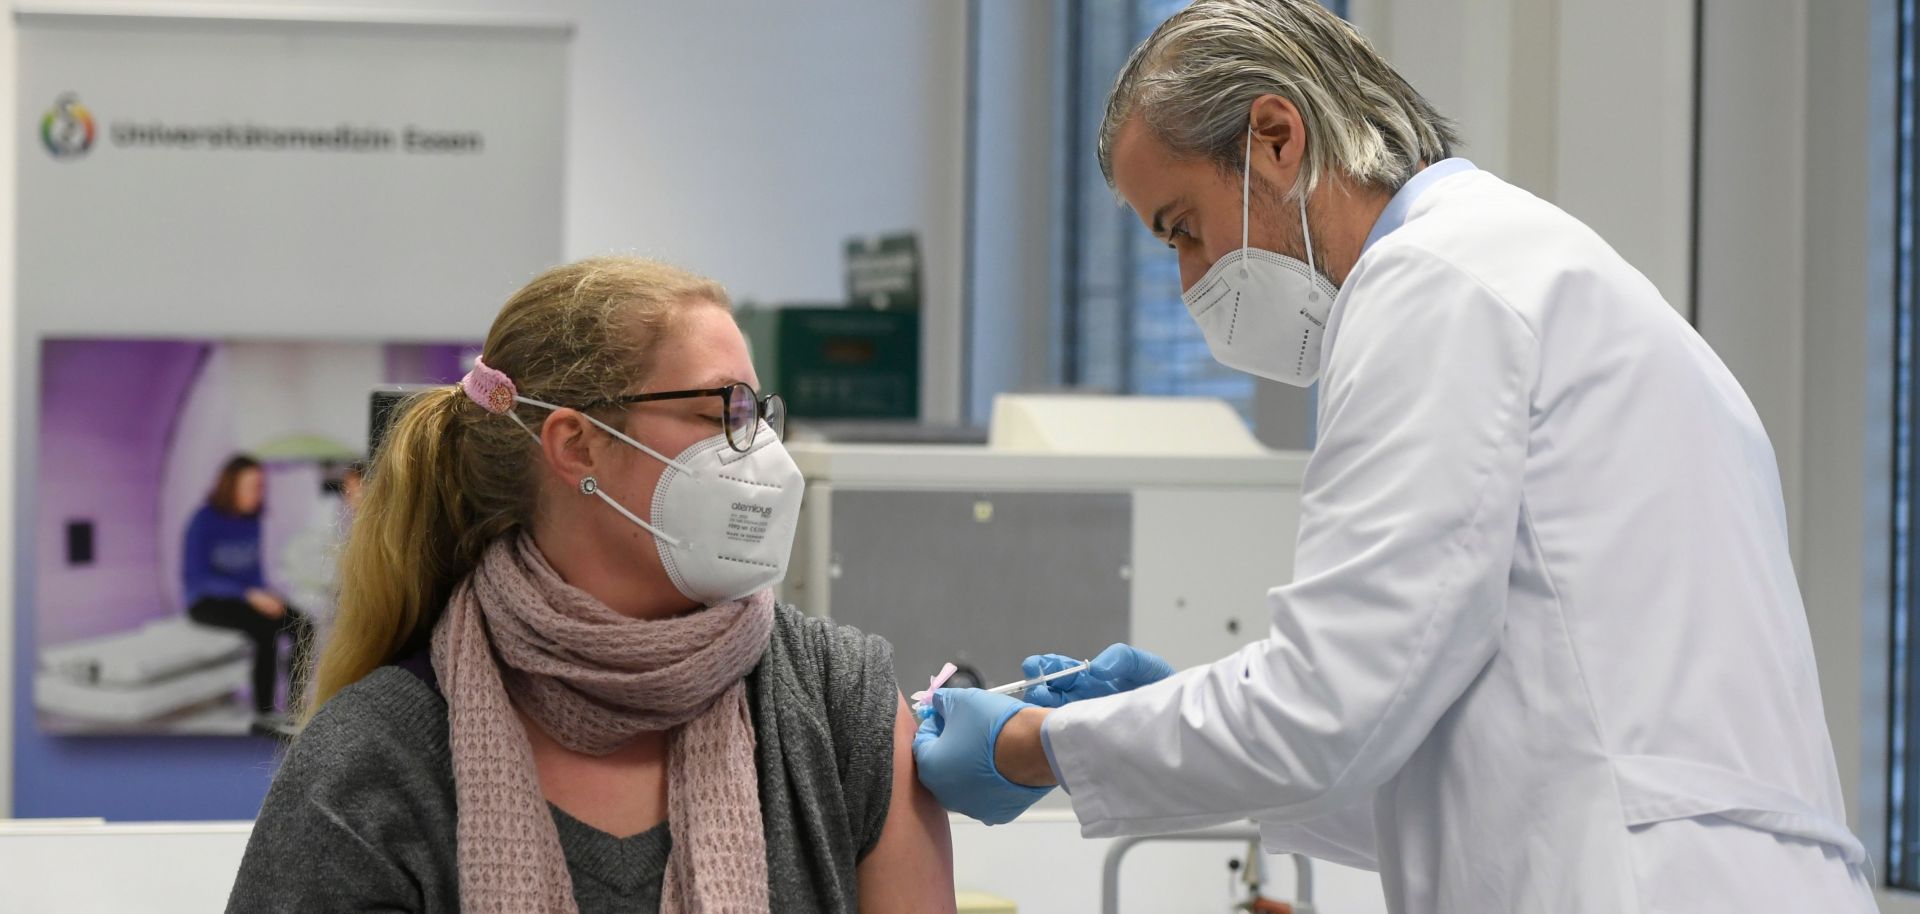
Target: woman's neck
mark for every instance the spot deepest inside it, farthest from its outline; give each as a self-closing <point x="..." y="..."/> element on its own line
<point x="637" y="590"/>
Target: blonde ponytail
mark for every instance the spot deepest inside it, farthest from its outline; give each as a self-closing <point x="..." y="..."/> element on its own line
<point x="403" y="556"/>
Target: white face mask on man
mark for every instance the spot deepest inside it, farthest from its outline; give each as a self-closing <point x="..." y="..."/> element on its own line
<point x="1262" y="312"/>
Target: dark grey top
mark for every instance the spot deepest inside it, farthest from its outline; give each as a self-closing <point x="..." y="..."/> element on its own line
<point x="361" y="816"/>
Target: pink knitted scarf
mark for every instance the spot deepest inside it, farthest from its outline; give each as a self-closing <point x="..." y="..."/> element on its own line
<point x="516" y="635"/>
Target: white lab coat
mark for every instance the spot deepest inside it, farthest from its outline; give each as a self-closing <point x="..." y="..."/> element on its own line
<point x="1544" y="644"/>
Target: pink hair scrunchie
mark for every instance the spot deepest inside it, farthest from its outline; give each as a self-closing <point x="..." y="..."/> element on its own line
<point x="489" y="387"/>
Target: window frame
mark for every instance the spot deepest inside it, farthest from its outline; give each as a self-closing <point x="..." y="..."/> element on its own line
<point x="1903" y="761"/>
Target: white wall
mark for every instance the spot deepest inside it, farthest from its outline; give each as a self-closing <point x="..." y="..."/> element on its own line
<point x="1012" y="253"/>
<point x="1542" y="99"/>
<point x="1623" y="156"/>
<point x="1460" y="55"/>
<point x="748" y="140"/>
<point x="1753" y="216"/>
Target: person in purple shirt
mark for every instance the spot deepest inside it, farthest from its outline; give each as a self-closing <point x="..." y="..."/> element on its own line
<point x="226" y="586"/>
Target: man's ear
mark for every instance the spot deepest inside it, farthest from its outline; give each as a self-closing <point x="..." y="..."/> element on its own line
<point x="1279" y="139"/>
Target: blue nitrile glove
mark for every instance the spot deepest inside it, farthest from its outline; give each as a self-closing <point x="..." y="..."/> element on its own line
<point x="1120" y="668"/>
<point x="954" y="752"/>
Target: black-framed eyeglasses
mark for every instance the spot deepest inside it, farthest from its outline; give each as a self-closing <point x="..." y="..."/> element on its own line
<point x="741" y="409"/>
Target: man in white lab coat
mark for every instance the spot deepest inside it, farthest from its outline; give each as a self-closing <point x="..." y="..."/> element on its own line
<point x="1543" y="650"/>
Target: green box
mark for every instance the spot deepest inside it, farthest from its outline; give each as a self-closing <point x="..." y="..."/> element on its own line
<point x="838" y="363"/>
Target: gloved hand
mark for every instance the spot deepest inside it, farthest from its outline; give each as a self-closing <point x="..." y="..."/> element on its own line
<point x="1120" y="668"/>
<point x="954" y="752"/>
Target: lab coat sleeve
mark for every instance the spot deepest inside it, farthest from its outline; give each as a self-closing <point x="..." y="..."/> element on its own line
<point x="1345" y="837"/>
<point x="1409" y="513"/>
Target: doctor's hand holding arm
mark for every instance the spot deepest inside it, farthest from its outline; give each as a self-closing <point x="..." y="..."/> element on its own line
<point x="954" y="750"/>
<point x="972" y="738"/>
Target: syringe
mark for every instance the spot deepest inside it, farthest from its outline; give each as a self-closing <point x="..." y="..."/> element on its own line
<point x="1015" y="688"/>
<point x="922" y="700"/>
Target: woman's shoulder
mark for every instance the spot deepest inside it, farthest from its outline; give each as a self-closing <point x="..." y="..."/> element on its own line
<point x="389" y="717"/>
<point x="825" y="657"/>
<point x="836" y="675"/>
<point x="362" y="813"/>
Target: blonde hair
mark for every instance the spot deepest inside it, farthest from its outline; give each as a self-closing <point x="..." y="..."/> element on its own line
<point x="1194" y="80"/>
<point x="450" y="477"/>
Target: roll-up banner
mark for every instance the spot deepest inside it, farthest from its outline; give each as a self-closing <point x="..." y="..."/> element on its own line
<point x="229" y="230"/>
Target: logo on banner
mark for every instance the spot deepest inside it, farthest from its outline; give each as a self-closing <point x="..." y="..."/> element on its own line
<point x="68" y="128"/>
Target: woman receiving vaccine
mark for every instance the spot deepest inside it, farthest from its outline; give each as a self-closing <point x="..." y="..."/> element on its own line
<point x="559" y="681"/>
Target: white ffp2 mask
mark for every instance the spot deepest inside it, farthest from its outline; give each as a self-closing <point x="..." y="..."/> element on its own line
<point x="733" y="516"/>
<point x="1262" y="312"/>
<point x="723" y="521"/>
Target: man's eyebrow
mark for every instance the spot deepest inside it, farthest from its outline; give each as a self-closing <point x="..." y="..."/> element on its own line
<point x="1159" y="229"/>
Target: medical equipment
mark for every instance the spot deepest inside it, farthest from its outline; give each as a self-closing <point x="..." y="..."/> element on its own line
<point x="1120" y="668"/>
<point x="1302" y="868"/>
<point x="1084" y="521"/>
<point x="922" y="699"/>
<point x="1016" y="688"/>
<point x="836" y="362"/>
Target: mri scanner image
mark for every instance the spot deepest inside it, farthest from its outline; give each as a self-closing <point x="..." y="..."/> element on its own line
<point x="190" y="499"/>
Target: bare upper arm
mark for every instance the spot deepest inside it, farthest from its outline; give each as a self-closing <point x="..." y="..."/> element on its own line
<point x="910" y="868"/>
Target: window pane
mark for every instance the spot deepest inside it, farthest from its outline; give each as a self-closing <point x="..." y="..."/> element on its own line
<point x="1123" y="323"/>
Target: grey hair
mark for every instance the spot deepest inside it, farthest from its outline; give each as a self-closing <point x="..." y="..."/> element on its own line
<point x="1194" y="80"/>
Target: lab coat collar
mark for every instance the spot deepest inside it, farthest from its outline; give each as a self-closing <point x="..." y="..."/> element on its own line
<point x="1395" y="215"/>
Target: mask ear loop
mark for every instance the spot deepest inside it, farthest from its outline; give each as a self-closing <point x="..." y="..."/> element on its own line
<point x="1306" y="235"/>
<point x="593" y="487"/>
<point x="1246" y="197"/>
<point x="1306" y="240"/>
<point x="669" y="461"/>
